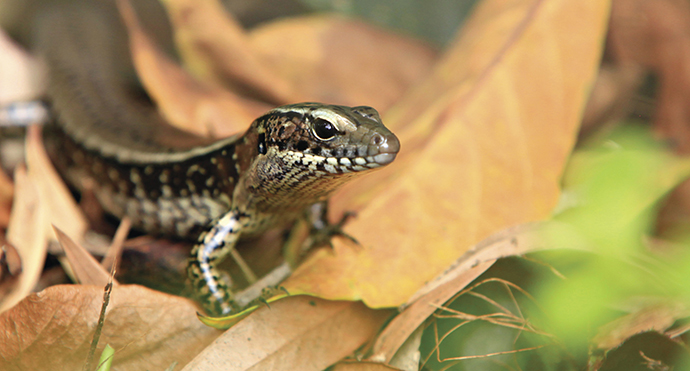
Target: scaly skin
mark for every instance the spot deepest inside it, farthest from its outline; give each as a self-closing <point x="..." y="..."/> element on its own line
<point x="295" y="156"/>
<point x="172" y="183"/>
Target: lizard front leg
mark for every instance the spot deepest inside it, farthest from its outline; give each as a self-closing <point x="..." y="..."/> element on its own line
<point x="212" y="247"/>
<point x="322" y="229"/>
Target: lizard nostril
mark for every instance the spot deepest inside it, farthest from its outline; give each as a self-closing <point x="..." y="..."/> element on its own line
<point x="377" y="139"/>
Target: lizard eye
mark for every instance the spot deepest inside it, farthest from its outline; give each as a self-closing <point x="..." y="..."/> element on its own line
<point x="324" y="130"/>
<point x="262" y="144"/>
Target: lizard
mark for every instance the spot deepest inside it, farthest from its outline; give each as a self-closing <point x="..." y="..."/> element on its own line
<point x="173" y="183"/>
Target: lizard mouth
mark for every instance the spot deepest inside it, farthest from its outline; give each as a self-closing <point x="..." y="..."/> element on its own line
<point x="384" y="158"/>
<point x="382" y="150"/>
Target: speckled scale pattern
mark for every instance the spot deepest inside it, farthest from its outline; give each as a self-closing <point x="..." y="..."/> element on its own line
<point x="291" y="169"/>
<point x="236" y="187"/>
<point x="177" y="199"/>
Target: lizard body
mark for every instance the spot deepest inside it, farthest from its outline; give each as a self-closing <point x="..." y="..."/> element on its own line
<point x="171" y="182"/>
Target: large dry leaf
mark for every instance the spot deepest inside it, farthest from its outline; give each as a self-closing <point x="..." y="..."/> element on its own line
<point x="185" y="102"/>
<point x="297" y="333"/>
<point x="336" y="60"/>
<point x="28" y="235"/>
<point x="52" y="330"/>
<point x="484" y="143"/>
<point x="215" y="47"/>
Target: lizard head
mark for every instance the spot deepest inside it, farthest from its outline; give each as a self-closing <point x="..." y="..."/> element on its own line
<point x="330" y="138"/>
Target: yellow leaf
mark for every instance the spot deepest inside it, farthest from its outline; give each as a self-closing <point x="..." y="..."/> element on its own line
<point x="185" y="102"/>
<point x="215" y="47"/>
<point x="484" y="144"/>
<point x="336" y="60"/>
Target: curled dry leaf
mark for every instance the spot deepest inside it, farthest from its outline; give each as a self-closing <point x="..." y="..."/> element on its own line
<point x="149" y="330"/>
<point x="6" y="193"/>
<point x="645" y="351"/>
<point x="653" y="317"/>
<point x="215" y="47"/>
<point x="484" y="143"/>
<point x="27" y="234"/>
<point x="297" y="333"/>
<point x="62" y="211"/>
<point x="86" y="269"/>
<point x="336" y="60"/>
<point x="189" y="104"/>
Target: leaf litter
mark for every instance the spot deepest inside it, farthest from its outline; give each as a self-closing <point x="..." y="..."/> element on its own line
<point x="487" y="101"/>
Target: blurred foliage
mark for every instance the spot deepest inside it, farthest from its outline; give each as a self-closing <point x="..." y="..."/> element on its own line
<point x="435" y="21"/>
<point x="602" y="263"/>
<point x="617" y="186"/>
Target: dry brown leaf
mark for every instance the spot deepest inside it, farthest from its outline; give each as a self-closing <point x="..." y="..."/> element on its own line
<point x="215" y="47"/>
<point x="654" y="317"/>
<point x="86" y="269"/>
<point x="611" y="97"/>
<point x="363" y="366"/>
<point x="656" y="34"/>
<point x="297" y="333"/>
<point x="6" y="194"/>
<point x="187" y="103"/>
<point x="646" y="351"/>
<point x="114" y="252"/>
<point x="484" y="143"/>
<point x="336" y="60"/>
<point x="62" y="210"/>
<point x="149" y="330"/>
<point x="27" y="234"/>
